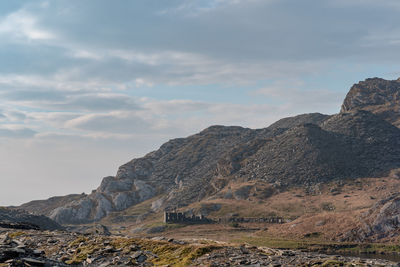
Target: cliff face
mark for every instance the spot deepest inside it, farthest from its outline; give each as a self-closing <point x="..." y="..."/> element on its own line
<point x="179" y="171"/>
<point x="360" y="141"/>
<point x="379" y="96"/>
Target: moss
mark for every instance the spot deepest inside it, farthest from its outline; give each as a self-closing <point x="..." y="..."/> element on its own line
<point x="77" y="241"/>
<point x="82" y="253"/>
<point x="174" y="255"/>
<point x="122" y="243"/>
<point x="84" y="248"/>
<point x="16" y="234"/>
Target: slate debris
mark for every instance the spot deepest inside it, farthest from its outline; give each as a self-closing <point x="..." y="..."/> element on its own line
<point x="256" y="257"/>
<point x="25" y="249"/>
<point x="20" y="219"/>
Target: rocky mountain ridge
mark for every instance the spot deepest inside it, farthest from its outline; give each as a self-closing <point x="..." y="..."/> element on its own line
<point x="379" y="96"/>
<point x="360" y="141"/>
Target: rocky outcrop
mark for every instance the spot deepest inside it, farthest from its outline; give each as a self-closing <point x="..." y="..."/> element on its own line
<point x="45" y="207"/>
<point x="179" y="169"/>
<point x="19" y="219"/>
<point x="287" y="123"/>
<point x="379" y="96"/>
<point x="380" y="222"/>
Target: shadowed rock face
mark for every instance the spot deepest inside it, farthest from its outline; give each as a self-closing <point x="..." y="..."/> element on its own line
<point x="19" y="219"/>
<point x="296" y="151"/>
<point x="348" y="145"/>
<point x="379" y="96"/>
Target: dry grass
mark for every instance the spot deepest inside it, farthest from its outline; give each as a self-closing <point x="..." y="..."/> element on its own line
<point x="331" y="212"/>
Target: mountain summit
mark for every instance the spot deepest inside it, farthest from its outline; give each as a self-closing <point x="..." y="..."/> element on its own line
<point x="363" y="140"/>
<point x="379" y="96"/>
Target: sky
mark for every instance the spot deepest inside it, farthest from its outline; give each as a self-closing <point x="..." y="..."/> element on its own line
<point x="86" y="86"/>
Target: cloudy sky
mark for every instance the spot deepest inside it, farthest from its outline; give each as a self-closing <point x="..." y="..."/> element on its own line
<point x="85" y="86"/>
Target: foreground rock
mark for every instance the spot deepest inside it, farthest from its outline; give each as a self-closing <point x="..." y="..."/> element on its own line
<point x="45" y="248"/>
<point x="252" y="256"/>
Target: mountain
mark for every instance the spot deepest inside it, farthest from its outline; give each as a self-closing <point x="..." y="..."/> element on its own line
<point x="379" y="96"/>
<point x="363" y="140"/>
<point x="347" y="145"/>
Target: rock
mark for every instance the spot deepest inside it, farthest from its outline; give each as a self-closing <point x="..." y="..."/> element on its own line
<point x="381" y="221"/>
<point x="242" y="192"/>
<point x="106" y="264"/>
<point x="108" y="249"/>
<point x="376" y="95"/>
<point x="33" y="262"/>
<point x="157" y="204"/>
<point x="139" y="256"/>
<point x="19" y="219"/>
<point x="287" y="123"/>
<point x="156" y="229"/>
<point x="74" y="212"/>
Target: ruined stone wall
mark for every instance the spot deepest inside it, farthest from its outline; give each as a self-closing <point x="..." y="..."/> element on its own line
<point x="252" y="220"/>
<point x="179" y="217"/>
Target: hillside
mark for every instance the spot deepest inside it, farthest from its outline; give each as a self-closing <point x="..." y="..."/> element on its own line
<point x="221" y="162"/>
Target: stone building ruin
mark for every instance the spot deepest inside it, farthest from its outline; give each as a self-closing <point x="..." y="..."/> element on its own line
<point x="180" y="217"/>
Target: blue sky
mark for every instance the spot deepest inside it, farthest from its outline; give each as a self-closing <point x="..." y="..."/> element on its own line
<point x="85" y="86"/>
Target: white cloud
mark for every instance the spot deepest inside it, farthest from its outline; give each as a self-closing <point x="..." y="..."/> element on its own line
<point x="85" y="54"/>
<point x="176" y="106"/>
<point x="23" y="25"/>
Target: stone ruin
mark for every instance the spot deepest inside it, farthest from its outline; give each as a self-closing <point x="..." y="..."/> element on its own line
<point x="272" y="219"/>
<point x="180" y="217"/>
